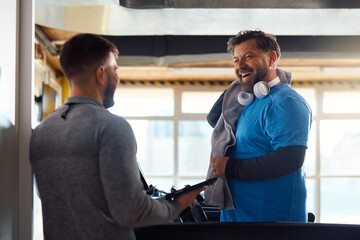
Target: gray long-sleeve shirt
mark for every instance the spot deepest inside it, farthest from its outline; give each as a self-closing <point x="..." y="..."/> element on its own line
<point x="84" y="161"/>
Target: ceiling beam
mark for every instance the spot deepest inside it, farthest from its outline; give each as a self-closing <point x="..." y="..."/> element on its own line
<point x="312" y="73"/>
<point x="289" y="62"/>
<point x="146" y="4"/>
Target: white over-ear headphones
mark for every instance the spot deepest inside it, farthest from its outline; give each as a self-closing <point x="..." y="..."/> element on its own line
<point x="261" y="90"/>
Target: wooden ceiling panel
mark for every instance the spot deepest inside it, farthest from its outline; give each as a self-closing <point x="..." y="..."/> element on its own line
<point x="57" y="34"/>
<point x="53" y="61"/>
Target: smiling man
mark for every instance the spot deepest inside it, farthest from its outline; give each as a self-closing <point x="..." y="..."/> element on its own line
<point x="260" y="138"/>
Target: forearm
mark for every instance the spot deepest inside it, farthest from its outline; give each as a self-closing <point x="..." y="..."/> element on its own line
<point x="280" y="162"/>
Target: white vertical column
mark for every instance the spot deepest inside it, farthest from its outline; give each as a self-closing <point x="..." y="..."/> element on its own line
<point x="177" y="112"/>
<point x="24" y="97"/>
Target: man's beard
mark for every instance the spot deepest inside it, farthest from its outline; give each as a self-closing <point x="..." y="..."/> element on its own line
<point x="109" y="94"/>
<point x="259" y="76"/>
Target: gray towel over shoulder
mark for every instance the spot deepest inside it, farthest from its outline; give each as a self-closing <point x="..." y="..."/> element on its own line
<point x="223" y="137"/>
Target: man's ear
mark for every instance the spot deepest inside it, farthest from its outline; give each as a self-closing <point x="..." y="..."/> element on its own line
<point x="272" y="59"/>
<point x="101" y="75"/>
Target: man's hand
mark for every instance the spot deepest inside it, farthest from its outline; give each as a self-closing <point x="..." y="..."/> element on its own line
<point x="186" y="199"/>
<point x="218" y="165"/>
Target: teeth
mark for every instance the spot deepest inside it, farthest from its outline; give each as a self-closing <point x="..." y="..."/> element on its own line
<point x="245" y="75"/>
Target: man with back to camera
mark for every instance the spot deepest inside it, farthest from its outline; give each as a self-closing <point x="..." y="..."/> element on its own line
<point x="261" y="128"/>
<point x="84" y="157"/>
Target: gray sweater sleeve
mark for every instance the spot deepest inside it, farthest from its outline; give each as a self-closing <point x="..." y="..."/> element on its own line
<point x="128" y="203"/>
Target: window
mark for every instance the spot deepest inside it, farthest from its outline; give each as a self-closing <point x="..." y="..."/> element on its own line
<point x="48" y="93"/>
<point x="339" y="147"/>
<point x="340" y="200"/>
<point x="171" y="130"/>
<point x="332" y="158"/>
<point x="173" y="139"/>
<point x="157" y="102"/>
<point x="198" y="101"/>
<point x="341" y="102"/>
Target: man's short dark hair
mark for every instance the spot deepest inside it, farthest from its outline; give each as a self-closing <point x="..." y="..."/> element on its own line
<point x="265" y="41"/>
<point x="83" y="53"/>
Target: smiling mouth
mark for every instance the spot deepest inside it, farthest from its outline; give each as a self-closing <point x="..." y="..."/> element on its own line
<point x="244" y="75"/>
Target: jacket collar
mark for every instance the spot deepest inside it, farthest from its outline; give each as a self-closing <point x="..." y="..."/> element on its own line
<point x="81" y="99"/>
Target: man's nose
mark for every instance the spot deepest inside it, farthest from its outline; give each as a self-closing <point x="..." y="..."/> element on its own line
<point x="239" y="64"/>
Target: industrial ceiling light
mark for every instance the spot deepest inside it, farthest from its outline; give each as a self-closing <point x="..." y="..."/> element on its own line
<point x="144" y="4"/>
<point x="45" y="42"/>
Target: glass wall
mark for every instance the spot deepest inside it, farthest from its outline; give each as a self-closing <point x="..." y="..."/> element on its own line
<point x="171" y="130"/>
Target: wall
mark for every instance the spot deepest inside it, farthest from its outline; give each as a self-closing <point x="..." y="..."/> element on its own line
<point x="65" y="89"/>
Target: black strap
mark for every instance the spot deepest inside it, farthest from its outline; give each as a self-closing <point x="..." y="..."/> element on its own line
<point x="69" y="105"/>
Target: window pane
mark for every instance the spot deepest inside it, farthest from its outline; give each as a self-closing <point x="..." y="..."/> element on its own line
<point x="198" y="102"/>
<point x="155" y="142"/>
<point x="309" y="164"/>
<point x="311" y="196"/>
<point x="310" y="156"/>
<point x="194" y="147"/>
<point x="309" y="95"/>
<point x="341" y="102"/>
<point x="339" y="147"/>
<point x="162" y="184"/>
<point x="37" y="215"/>
<point x="340" y="200"/>
<point x="143" y="102"/>
<point x="184" y="181"/>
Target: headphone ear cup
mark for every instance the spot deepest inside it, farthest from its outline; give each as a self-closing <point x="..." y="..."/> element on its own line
<point x="261" y="89"/>
<point x="245" y="98"/>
